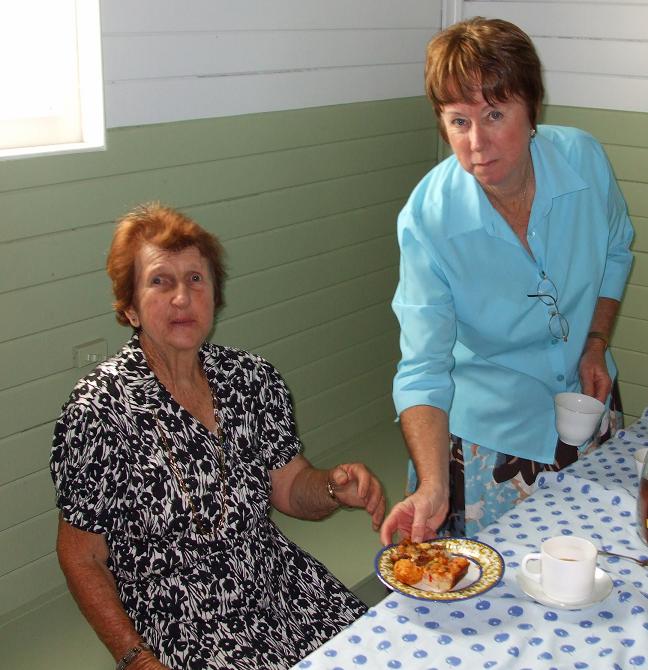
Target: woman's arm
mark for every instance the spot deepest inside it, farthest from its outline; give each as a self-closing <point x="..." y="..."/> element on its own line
<point x="82" y="556"/>
<point x="425" y="430"/>
<point x="595" y="379"/>
<point x="301" y="490"/>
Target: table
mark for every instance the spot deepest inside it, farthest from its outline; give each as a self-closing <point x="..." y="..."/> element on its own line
<point x="504" y="628"/>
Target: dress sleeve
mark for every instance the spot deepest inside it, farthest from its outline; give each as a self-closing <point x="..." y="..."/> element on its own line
<point x="619" y="258"/>
<point x="424" y="307"/>
<point x="277" y="430"/>
<point x="78" y="465"/>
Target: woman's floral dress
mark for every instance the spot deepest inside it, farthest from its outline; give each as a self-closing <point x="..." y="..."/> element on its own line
<point x="241" y="596"/>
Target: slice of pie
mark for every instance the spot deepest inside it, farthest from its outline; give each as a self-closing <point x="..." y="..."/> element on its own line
<point x="429" y="563"/>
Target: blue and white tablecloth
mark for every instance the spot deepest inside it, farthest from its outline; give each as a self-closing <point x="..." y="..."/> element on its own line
<point x="505" y="629"/>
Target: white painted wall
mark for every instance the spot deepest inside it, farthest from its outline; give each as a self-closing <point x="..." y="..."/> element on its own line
<point x="168" y="60"/>
<point x="594" y="52"/>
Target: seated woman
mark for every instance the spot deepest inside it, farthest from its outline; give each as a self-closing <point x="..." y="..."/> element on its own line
<point x="166" y="460"/>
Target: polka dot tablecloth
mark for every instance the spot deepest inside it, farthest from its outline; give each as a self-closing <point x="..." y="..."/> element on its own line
<point x="504" y="628"/>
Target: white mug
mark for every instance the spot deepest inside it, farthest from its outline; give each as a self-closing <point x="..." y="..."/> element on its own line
<point x="639" y="457"/>
<point x="578" y="416"/>
<point x="567" y="567"/>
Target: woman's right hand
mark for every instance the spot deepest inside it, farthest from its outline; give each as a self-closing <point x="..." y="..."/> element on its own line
<point x="418" y="516"/>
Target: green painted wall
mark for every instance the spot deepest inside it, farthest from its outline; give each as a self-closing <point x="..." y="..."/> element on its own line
<point x="305" y="203"/>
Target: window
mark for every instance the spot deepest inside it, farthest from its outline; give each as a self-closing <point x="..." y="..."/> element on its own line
<point x="50" y="77"/>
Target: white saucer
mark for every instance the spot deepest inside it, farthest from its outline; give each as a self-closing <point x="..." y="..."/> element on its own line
<point x="602" y="588"/>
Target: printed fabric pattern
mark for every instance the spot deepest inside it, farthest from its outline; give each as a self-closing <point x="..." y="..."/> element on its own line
<point x="243" y="596"/>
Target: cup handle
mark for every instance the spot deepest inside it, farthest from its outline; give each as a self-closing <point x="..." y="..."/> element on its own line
<point x="535" y="576"/>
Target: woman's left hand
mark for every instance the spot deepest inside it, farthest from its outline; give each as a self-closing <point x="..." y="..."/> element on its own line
<point x="595" y="379"/>
<point x="356" y="486"/>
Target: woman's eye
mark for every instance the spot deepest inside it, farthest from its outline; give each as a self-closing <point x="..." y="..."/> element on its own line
<point x="496" y="116"/>
<point x="459" y="122"/>
<point x="156" y="280"/>
<point x="196" y="277"/>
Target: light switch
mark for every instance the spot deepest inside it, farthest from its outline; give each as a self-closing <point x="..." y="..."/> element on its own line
<point x="90" y="353"/>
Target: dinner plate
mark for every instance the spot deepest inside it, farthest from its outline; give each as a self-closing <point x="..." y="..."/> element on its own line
<point x="485" y="570"/>
<point x="602" y="589"/>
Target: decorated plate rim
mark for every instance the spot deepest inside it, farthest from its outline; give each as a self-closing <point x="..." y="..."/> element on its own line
<point x="487" y="558"/>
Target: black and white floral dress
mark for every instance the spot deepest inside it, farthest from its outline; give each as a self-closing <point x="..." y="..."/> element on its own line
<point x="243" y="595"/>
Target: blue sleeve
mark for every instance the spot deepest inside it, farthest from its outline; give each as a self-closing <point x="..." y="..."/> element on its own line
<point x="619" y="257"/>
<point x="424" y="307"/>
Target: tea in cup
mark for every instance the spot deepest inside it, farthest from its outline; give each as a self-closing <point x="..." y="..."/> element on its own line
<point x="567" y="568"/>
<point x="578" y="417"/>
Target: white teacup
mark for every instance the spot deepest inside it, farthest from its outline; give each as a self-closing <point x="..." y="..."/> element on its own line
<point x="567" y="567"/>
<point x="577" y="417"/>
<point x="639" y="456"/>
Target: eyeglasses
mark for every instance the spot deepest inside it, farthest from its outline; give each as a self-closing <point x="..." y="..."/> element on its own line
<point x="547" y="292"/>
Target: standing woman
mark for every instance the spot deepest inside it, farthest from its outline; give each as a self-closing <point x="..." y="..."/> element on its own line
<point x="514" y="257"/>
<point x="167" y="459"/>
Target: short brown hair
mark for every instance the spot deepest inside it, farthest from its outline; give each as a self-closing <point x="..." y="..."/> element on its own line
<point x="167" y="229"/>
<point x="492" y="54"/>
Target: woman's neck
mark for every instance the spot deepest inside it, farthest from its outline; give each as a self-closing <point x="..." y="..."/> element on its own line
<point x="177" y="370"/>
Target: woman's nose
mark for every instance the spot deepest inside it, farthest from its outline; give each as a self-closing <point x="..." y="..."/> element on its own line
<point x="181" y="295"/>
<point x="477" y="138"/>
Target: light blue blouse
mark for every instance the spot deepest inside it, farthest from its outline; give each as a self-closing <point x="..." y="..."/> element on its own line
<point x="472" y="342"/>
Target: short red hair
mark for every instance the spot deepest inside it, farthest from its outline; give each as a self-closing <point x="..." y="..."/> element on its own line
<point x="165" y="228"/>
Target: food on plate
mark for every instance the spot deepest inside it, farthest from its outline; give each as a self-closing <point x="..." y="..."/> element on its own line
<point x="430" y="562"/>
<point x="407" y="572"/>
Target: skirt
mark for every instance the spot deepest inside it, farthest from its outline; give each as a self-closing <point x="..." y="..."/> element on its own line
<point x="485" y="483"/>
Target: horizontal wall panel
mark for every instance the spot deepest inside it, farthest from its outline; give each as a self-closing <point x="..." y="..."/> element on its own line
<point x="61" y="302"/>
<point x="630" y="163"/>
<point x="259" y="290"/>
<point x="334" y="370"/>
<point x="29" y="582"/>
<point x="607" y="57"/>
<point x="287" y="244"/>
<point x="633" y="366"/>
<point x="301" y="348"/>
<point x="325" y="407"/>
<point x="640" y="241"/>
<point x="28" y="542"/>
<point x="155" y="16"/>
<point x="639" y="272"/>
<point x="636" y="195"/>
<point x="56" y="256"/>
<point x="584" y="89"/>
<point x="631" y="333"/>
<point x="26" y="498"/>
<point x="41" y="210"/>
<point x="253" y="330"/>
<point x="25" y="453"/>
<point x="346" y="426"/>
<point x="634" y="302"/>
<point x="609" y="126"/>
<point x="49" y="352"/>
<point x="150" y="147"/>
<point x="567" y="19"/>
<point x="131" y="103"/>
<point x="224" y="53"/>
<point x="635" y="400"/>
<point x="39" y="402"/>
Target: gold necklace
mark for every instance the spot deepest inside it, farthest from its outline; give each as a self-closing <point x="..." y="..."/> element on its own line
<point x="197" y="517"/>
<point x="501" y="206"/>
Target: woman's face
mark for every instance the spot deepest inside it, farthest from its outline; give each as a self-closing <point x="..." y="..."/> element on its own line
<point x="173" y="301"/>
<point x="490" y="142"/>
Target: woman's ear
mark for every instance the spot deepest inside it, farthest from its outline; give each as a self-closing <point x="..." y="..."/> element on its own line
<point x="132" y="316"/>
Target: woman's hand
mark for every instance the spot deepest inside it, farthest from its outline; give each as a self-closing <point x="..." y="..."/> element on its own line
<point x="418" y="516"/>
<point x="595" y="379"/>
<point x="356" y="486"/>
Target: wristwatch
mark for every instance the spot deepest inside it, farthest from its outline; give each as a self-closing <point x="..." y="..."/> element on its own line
<point x="132" y="654"/>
